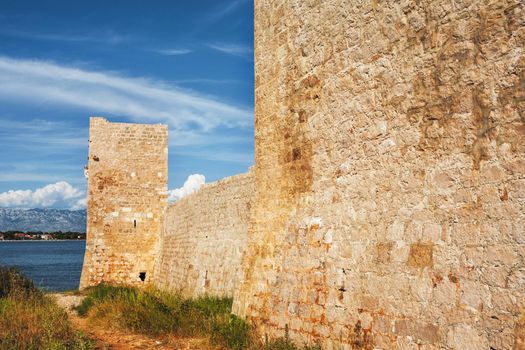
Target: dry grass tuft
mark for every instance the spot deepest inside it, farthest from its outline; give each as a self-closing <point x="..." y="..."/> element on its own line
<point x="31" y="320"/>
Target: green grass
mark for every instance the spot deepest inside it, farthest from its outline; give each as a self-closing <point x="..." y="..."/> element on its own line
<point x="285" y="343"/>
<point x="234" y="334"/>
<point x="31" y="320"/>
<point x="157" y="313"/>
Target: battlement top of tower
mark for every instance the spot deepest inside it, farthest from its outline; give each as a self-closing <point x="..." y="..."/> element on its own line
<point x="94" y="120"/>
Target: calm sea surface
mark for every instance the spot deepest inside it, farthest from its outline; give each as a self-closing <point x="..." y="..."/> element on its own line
<point x="52" y="265"/>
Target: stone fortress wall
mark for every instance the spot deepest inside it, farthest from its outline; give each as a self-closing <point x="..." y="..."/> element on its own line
<point x="386" y="208"/>
<point x="390" y="174"/>
<point x="194" y="246"/>
<point x="204" y="238"/>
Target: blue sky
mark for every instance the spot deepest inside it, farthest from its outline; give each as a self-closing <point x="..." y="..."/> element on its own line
<point x="188" y="64"/>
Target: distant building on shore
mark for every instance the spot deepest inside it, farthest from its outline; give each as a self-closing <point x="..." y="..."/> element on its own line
<point x="21" y="235"/>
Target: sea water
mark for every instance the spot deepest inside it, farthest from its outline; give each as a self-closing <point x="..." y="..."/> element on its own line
<point x="52" y="265"/>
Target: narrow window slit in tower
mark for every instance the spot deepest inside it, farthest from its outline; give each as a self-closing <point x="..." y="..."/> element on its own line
<point x="142" y="276"/>
<point x="134" y="223"/>
<point x="206" y="280"/>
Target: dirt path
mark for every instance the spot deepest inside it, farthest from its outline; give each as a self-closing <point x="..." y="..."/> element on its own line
<point x="109" y="339"/>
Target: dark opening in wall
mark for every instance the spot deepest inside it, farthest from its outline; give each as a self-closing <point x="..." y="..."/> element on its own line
<point x="134" y="223"/>
<point x="142" y="276"/>
<point x="206" y="280"/>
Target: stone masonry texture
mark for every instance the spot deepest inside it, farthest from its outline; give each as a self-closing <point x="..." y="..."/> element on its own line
<point x="386" y="207"/>
<point x="127" y="198"/>
<point x="389" y="174"/>
<point x="204" y="238"/>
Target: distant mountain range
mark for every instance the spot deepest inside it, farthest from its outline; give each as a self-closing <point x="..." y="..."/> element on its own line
<point x="46" y="220"/>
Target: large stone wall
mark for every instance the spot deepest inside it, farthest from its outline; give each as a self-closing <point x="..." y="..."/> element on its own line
<point x="387" y="205"/>
<point x="390" y="174"/>
<point x="204" y="237"/>
<point x="127" y="198"/>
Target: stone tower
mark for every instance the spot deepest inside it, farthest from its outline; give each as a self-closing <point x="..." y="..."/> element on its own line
<point x="127" y="199"/>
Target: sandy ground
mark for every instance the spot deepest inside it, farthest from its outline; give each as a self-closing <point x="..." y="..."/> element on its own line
<point x="110" y="339"/>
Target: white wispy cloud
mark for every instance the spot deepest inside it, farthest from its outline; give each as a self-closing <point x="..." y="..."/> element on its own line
<point x="41" y="135"/>
<point x="174" y="52"/>
<point x="230" y="156"/>
<point x="101" y="92"/>
<point x="32" y="168"/>
<point x="233" y="49"/>
<point x="192" y="184"/>
<point x="40" y="151"/>
<point x="210" y="81"/>
<point x="107" y="36"/>
<point x="32" y="176"/>
<point x="223" y="10"/>
<point x="60" y="194"/>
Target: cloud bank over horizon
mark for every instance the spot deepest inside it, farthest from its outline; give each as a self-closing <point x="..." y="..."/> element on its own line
<point x="62" y="195"/>
<point x="192" y="184"/>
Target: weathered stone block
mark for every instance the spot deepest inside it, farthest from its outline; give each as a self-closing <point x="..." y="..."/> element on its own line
<point x="420" y="255"/>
